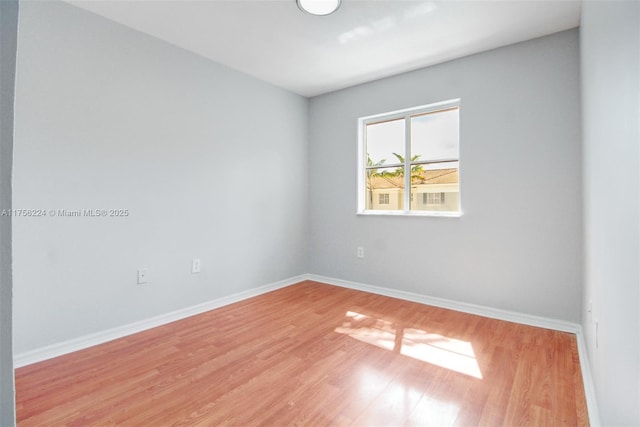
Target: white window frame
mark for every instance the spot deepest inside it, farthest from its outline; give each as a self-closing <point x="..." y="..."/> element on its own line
<point x="405" y="114"/>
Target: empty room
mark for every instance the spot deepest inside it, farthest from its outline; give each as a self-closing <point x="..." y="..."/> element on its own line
<point x="320" y="212"/>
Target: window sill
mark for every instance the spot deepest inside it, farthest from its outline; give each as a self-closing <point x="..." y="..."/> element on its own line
<point x="413" y="213"/>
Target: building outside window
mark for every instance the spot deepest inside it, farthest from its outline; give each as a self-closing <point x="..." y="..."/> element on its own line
<point x="432" y="198"/>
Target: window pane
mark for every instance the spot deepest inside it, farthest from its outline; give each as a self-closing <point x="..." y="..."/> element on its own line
<point x="435" y="187"/>
<point x="385" y="189"/>
<point x="384" y="139"/>
<point x="435" y="136"/>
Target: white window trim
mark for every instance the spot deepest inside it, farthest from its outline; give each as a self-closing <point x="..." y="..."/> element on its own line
<point x="394" y="115"/>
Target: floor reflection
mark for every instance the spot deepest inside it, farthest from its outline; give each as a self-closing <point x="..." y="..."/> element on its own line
<point x="397" y="400"/>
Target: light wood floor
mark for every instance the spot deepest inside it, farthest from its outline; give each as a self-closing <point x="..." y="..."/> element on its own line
<point x="314" y="354"/>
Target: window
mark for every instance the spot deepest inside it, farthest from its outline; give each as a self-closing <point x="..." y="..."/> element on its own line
<point x="415" y="149"/>
<point x="432" y="198"/>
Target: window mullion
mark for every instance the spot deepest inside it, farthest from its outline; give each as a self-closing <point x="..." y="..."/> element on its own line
<point x="407" y="163"/>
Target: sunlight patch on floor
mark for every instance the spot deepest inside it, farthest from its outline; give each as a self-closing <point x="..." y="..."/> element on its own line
<point x="449" y="353"/>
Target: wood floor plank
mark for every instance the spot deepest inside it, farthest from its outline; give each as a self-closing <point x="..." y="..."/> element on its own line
<point x="314" y="354"/>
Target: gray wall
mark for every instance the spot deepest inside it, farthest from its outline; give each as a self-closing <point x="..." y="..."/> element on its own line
<point x="210" y="163"/>
<point x="8" y="36"/>
<point x="519" y="244"/>
<point x="610" y="56"/>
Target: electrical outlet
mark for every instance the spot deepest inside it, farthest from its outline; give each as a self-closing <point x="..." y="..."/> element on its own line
<point x="195" y="265"/>
<point x="360" y="252"/>
<point x="143" y="275"/>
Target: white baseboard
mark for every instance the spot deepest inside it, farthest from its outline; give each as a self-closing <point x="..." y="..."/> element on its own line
<point x="587" y="380"/>
<point x="494" y="313"/>
<point x="90" y="340"/>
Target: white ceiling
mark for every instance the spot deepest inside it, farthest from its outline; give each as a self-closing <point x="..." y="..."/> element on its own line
<point x="363" y="41"/>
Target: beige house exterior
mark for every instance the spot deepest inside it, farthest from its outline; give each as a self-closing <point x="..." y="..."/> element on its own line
<point x="431" y="190"/>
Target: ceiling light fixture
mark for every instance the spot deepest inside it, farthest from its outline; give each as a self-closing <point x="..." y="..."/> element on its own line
<point x="319" y="7"/>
